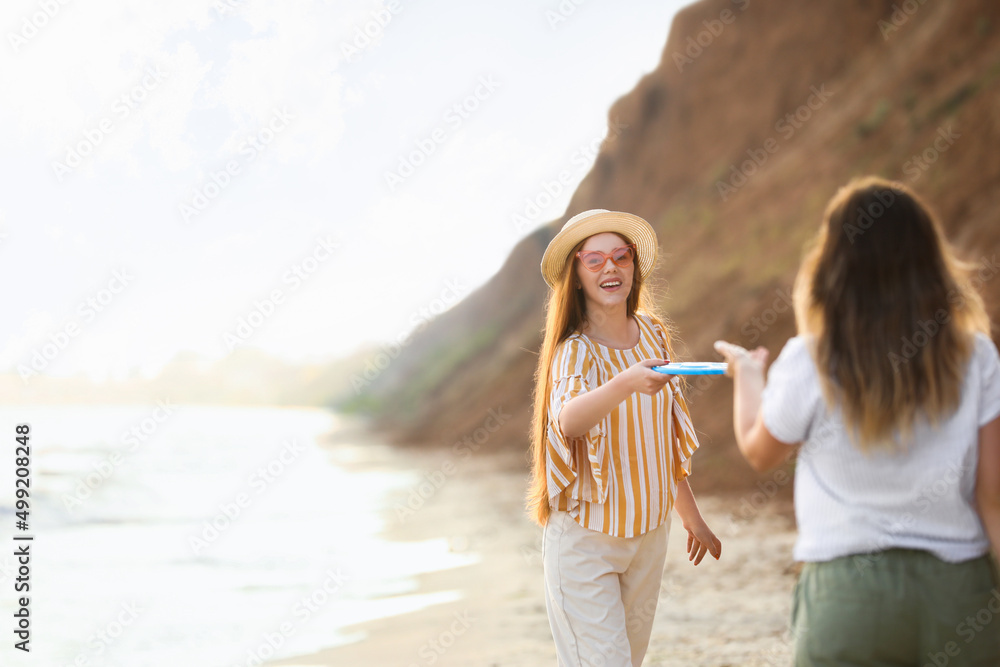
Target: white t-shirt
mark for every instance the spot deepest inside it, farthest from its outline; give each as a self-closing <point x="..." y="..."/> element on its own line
<point x="848" y="502"/>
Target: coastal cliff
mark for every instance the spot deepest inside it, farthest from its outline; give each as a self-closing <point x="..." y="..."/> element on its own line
<point x="758" y="111"/>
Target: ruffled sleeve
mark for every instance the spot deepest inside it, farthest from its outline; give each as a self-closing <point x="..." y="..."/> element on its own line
<point x="583" y="459"/>
<point x="683" y="438"/>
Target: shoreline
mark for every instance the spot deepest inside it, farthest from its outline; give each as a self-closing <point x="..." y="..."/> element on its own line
<point x="728" y="612"/>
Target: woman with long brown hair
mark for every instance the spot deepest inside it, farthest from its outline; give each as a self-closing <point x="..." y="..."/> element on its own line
<point x="612" y="441"/>
<point x="890" y="396"/>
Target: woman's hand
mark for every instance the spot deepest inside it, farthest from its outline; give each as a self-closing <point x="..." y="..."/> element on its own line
<point x="582" y="412"/>
<point x="739" y="358"/>
<point x="700" y="537"/>
<point x="640" y="377"/>
<point x="701" y="540"/>
<point x="760" y="448"/>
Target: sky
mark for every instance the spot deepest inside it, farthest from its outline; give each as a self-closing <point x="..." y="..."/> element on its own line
<point x="304" y="178"/>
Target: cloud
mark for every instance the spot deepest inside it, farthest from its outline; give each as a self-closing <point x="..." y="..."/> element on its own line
<point x="237" y="57"/>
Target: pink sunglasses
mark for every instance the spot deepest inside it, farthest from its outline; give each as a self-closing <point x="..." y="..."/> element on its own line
<point x="594" y="260"/>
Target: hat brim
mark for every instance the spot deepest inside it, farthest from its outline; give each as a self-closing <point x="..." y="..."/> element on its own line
<point x="556" y="258"/>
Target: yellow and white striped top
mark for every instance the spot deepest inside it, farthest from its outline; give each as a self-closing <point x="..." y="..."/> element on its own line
<point x="621" y="477"/>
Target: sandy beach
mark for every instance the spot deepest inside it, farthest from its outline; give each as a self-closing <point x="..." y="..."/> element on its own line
<point x="728" y="612"/>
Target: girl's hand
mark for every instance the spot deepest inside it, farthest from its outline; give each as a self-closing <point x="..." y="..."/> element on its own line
<point x="641" y="377"/>
<point x="701" y="539"/>
<point x="740" y="358"/>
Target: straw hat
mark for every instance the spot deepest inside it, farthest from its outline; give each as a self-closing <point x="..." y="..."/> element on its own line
<point x="596" y="221"/>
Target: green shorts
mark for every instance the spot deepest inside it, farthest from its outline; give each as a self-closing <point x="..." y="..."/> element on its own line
<point x="897" y="607"/>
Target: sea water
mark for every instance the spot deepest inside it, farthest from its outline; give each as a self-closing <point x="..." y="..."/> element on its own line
<point x="170" y="535"/>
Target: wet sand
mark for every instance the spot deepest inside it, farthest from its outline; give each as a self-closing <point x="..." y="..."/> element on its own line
<point x="728" y="612"/>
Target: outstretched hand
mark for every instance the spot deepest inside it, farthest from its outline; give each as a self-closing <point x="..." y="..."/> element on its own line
<point x="739" y="358"/>
<point x="702" y="540"/>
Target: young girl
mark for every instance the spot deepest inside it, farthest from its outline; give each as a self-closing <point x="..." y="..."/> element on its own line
<point x="612" y="442"/>
<point x="890" y="394"/>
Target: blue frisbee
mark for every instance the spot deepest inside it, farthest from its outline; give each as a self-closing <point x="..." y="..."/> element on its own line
<point x="693" y="368"/>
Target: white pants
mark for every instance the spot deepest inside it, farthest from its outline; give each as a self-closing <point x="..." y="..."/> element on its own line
<point x="601" y="592"/>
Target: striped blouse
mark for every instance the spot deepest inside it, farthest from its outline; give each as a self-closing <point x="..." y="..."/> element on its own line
<point x="621" y="477"/>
